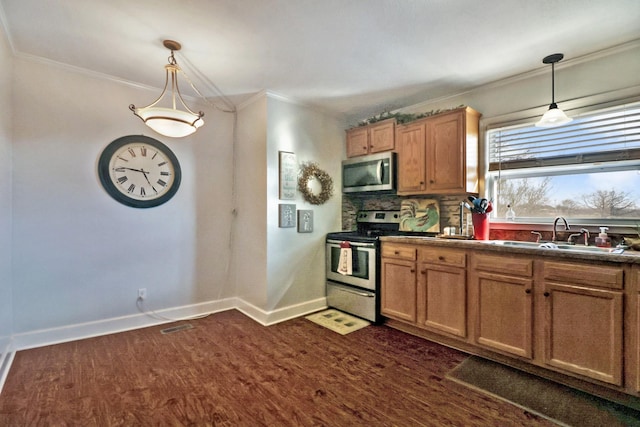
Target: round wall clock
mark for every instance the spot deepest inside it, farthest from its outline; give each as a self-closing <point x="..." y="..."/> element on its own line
<point x="139" y="171"/>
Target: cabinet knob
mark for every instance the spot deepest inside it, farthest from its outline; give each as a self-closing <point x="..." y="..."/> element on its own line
<point x="527" y="291"/>
<point x="431" y="181"/>
<point x="421" y="182"/>
<point x="396" y="253"/>
<point x="412" y="270"/>
<point x="441" y="258"/>
<point x="364" y="147"/>
<point x="546" y="294"/>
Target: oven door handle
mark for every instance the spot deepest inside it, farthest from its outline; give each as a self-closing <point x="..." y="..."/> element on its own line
<point x="336" y="243"/>
<point x="360" y="294"/>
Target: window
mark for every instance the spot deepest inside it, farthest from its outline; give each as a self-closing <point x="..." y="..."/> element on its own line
<point x="588" y="169"/>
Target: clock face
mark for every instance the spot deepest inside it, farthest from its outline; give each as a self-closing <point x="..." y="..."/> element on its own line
<point x="139" y="171"/>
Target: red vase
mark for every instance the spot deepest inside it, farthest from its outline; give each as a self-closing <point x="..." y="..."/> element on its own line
<point x="480" y="226"/>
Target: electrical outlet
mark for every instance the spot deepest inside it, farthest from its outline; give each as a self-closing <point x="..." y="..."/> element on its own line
<point x="142" y="293"/>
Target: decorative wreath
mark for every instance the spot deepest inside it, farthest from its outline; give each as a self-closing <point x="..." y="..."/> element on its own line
<point x="311" y="170"/>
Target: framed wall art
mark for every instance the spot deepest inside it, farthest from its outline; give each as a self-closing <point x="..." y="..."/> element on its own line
<point x="288" y="169"/>
<point x="286" y="215"/>
<point x="305" y="221"/>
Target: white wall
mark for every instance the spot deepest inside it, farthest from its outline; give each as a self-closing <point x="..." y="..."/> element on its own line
<point x="78" y="255"/>
<point x="6" y="310"/>
<point x="250" y="230"/>
<point x="530" y="93"/>
<point x="296" y="263"/>
<point x="278" y="267"/>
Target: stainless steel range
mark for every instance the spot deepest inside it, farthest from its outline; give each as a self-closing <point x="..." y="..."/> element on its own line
<point x="357" y="291"/>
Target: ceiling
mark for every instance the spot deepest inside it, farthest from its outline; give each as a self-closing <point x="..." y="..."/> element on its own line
<point x="350" y="57"/>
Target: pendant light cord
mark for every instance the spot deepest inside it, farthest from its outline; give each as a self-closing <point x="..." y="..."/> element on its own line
<point x="229" y="107"/>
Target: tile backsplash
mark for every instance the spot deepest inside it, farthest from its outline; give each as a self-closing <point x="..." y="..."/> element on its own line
<point x="449" y="207"/>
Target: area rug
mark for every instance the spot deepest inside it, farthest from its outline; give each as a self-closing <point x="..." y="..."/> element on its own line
<point x="558" y="403"/>
<point x="338" y="321"/>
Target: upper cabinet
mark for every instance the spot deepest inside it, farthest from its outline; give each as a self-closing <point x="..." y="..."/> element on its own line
<point x="439" y="154"/>
<point x="371" y="139"/>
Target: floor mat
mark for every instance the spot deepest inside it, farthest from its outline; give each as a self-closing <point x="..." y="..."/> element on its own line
<point x="551" y="400"/>
<point x="338" y="321"/>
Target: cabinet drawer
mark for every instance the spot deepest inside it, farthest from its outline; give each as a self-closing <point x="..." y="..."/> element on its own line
<point x="392" y="250"/>
<point x="443" y="257"/>
<point x="585" y="274"/>
<point x="503" y="265"/>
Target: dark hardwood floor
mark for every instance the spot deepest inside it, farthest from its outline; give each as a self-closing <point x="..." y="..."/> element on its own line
<point x="231" y="371"/>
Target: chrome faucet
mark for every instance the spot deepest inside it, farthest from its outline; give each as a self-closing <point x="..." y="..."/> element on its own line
<point x="555" y="227"/>
<point x="583" y="232"/>
<point x="586" y="234"/>
<point x="538" y="236"/>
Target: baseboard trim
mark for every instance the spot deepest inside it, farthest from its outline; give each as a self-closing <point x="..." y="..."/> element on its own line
<point x="268" y="318"/>
<point x="6" y="357"/>
<point x="80" y="331"/>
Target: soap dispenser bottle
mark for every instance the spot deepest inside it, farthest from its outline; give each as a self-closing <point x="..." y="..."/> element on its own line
<point x="511" y="214"/>
<point x="603" y="241"/>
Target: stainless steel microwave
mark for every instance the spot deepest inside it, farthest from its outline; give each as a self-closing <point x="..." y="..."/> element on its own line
<point x="376" y="172"/>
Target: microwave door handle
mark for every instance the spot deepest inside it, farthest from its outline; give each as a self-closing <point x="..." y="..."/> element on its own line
<point x="380" y="172"/>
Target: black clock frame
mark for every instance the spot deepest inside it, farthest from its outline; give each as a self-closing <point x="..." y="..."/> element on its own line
<point x="107" y="184"/>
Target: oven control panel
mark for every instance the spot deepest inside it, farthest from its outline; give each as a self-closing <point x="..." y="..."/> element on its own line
<point x="389" y="217"/>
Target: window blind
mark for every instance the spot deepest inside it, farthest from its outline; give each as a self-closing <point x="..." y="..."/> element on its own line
<point x="606" y="135"/>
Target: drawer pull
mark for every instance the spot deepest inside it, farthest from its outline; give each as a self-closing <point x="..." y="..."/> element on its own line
<point x="546" y="294"/>
<point x="396" y="252"/>
<point x="441" y="258"/>
<point x="527" y="291"/>
<point x="360" y="294"/>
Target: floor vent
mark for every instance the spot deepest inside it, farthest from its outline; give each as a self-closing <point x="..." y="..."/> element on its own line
<point x="176" y="329"/>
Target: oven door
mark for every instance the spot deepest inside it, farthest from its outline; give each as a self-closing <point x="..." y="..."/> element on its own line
<point x="364" y="266"/>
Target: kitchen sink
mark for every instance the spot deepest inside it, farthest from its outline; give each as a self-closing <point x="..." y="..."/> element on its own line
<point x="556" y="246"/>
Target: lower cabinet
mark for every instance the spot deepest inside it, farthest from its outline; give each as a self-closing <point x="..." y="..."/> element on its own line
<point x="572" y="317"/>
<point x="635" y="348"/>
<point x="442" y="291"/>
<point x="503" y="303"/>
<point x="398" y="294"/>
<point x="584" y="323"/>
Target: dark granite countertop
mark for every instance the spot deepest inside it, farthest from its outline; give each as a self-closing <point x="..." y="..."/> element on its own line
<point x="627" y="257"/>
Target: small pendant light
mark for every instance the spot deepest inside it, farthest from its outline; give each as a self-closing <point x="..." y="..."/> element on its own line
<point x="170" y="122"/>
<point x="554" y="116"/>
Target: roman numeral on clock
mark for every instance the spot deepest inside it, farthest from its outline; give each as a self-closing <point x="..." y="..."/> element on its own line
<point x="142" y="192"/>
<point x="161" y="182"/>
<point x="122" y="179"/>
<point x="131" y="188"/>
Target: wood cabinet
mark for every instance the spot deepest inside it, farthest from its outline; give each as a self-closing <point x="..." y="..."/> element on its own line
<point x="439" y="154"/>
<point x="574" y="320"/>
<point x="442" y="291"/>
<point x="399" y="294"/>
<point x="412" y="175"/>
<point x="584" y="319"/>
<point x="634" y="319"/>
<point x="374" y="138"/>
<point x="502" y="303"/>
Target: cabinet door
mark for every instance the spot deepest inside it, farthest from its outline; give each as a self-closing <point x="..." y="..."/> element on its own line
<point x="357" y="141"/>
<point x="398" y="289"/>
<point x="504" y="313"/>
<point x="382" y="137"/>
<point x="410" y="141"/>
<point x="583" y="331"/>
<point x="442" y="296"/>
<point x="445" y="153"/>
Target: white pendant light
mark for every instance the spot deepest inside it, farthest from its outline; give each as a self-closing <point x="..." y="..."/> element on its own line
<point x="170" y="121"/>
<point x="554" y="116"/>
